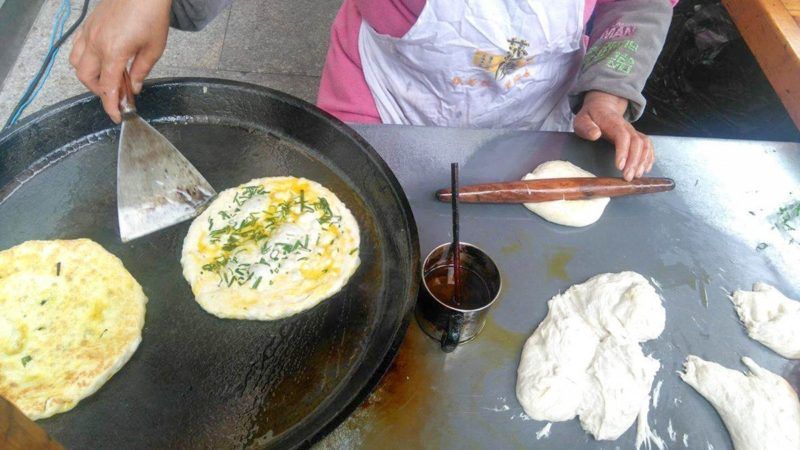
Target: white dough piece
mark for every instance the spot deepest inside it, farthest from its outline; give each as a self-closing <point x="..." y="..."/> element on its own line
<point x="571" y="213"/>
<point x="770" y="318"/>
<point x="760" y="409"/>
<point x="584" y="358"/>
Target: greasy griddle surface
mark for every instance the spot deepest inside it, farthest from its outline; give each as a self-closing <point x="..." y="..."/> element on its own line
<point x="196" y="380"/>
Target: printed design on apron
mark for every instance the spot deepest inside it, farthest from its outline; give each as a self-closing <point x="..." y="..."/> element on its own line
<point x="516" y="57"/>
<point x="501" y="65"/>
<point x="478" y="63"/>
<point x="619" y="54"/>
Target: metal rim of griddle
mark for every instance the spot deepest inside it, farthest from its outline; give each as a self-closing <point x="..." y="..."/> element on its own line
<point x="303" y="435"/>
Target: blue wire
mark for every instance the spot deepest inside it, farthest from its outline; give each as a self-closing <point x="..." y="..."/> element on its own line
<point x="62" y="16"/>
<point x="58" y="30"/>
<point x="48" y="58"/>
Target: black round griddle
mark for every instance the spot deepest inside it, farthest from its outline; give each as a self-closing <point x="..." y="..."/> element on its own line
<point x="197" y="381"/>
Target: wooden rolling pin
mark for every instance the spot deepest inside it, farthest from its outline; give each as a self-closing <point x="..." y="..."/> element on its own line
<point x="17" y="432"/>
<point x="545" y="190"/>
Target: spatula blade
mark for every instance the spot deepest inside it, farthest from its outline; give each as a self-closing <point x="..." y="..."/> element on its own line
<point x="157" y="187"/>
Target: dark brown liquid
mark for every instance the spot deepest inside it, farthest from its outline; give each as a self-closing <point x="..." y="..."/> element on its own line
<point x="473" y="292"/>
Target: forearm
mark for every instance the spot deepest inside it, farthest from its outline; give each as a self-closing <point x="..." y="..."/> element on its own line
<point x="194" y="15"/>
<point x="626" y="39"/>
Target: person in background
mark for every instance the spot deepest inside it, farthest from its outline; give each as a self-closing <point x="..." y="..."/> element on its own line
<point x="553" y="65"/>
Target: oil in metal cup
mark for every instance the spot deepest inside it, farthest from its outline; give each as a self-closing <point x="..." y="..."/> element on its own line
<point x="437" y="312"/>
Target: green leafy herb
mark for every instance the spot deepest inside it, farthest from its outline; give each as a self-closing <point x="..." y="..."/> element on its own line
<point x="322" y="205"/>
<point x="248" y="192"/>
<point x="219" y="262"/>
<point x="255" y="230"/>
<point x="353" y="250"/>
<point x="104" y="332"/>
<point x="303" y="204"/>
<point x="25" y="360"/>
<point x="788" y="214"/>
<point x="40" y="329"/>
<point x="302" y="200"/>
<point x="42" y="302"/>
<point x="58" y="269"/>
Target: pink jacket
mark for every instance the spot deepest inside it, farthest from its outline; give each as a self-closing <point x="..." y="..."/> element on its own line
<point x="343" y="90"/>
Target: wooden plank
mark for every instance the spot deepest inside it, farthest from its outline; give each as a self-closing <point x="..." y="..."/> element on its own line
<point x="17" y="432"/>
<point x="793" y="6"/>
<point x="774" y="38"/>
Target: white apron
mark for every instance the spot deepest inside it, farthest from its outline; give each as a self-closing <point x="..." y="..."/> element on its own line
<point x="478" y="63"/>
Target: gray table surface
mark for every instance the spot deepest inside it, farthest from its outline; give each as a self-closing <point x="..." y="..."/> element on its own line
<point x="699" y="243"/>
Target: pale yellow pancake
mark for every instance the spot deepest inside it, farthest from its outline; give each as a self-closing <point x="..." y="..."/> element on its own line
<point x="70" y="317"/>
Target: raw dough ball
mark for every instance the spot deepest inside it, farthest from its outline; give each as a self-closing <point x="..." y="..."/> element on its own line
<point x="572" y="213"/>
<point x="760" y="409"/>
<point x="584" y="358"/>
<point x="770" y="318"/>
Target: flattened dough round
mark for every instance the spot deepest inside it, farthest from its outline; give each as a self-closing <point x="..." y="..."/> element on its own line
<point x="571" y="213"/>
<point x="270" y="248"/>
<point x="70" y="317"/>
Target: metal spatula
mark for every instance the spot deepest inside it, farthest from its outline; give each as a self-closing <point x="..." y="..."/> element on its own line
<point x="156" y="186"/>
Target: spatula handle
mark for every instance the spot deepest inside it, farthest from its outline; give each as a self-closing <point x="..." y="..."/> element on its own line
<point x="126" y="102"/>
<point x="544" y="190"/>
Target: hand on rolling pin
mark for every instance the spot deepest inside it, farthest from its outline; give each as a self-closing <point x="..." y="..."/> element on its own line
<point x="115" y="33"/>
<point x="602" y="115"/>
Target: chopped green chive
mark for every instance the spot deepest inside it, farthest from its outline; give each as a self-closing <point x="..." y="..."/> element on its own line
<point x="239" y="234"/>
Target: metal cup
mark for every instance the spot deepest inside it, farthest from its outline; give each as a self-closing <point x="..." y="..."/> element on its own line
<point x="446" y="323"/>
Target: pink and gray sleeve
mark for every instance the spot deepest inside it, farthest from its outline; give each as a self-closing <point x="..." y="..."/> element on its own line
<point x="627" y="37"/>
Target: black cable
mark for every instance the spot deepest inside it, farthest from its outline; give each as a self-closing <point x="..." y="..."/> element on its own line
<point x="47" y="60"/>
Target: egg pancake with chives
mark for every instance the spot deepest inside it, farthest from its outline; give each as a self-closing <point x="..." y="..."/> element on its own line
<point x="70" y="317"/>
<point x="270" y="248"/>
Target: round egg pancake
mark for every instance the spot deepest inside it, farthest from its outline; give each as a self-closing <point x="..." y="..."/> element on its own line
<point x="270" y="248"/>
<point x="70" y="317"/>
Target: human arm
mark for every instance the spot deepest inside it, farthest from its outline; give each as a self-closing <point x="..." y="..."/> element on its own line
<point x="625" y="42"/>
<point x="122" y="32"/>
